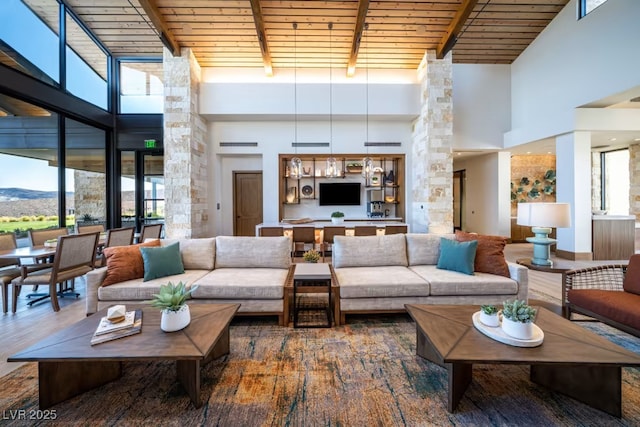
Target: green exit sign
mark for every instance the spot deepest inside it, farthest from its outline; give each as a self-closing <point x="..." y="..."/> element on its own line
<point x="150" y="143"/>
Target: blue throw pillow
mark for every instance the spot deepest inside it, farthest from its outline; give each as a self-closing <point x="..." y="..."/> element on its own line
<point x="161" y="261"/>
<point x="457" y="256"/>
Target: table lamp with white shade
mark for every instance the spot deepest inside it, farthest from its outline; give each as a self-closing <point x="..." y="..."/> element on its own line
<point x="542" y="217"/>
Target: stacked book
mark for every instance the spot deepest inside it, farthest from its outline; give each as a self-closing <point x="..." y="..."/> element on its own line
<point x="118" y="323"/>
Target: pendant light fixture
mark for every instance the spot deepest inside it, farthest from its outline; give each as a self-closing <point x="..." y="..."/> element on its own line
<point x="296" y="163"/>
<point x="331" y="170"/>
<point x="367" y="162"/>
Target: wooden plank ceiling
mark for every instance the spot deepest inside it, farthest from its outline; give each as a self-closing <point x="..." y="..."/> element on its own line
<point x="259" y="33"/>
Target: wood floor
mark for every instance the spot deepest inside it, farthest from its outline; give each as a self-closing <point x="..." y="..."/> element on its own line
<point x="31" y="324"/>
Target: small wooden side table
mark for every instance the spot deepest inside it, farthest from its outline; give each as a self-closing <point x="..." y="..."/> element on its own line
<point x="312" y="278"/>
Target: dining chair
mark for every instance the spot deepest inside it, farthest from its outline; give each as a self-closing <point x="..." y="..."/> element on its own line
<point x="150" y="231"/>
<point x="74" y="257"/>
<point x="302" y="237"/>
<point x="365" y="230"/>
<point x="328" y="234"/>
<point x="90" y="228"/>
<point x="9" y="267"/>
<point x="395" y="229"/>
<point x="115" y="237"/>
<point x="38" y="237"/>
<point x="271" y="231"/>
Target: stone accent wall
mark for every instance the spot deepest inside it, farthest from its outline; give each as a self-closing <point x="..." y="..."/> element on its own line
<point x="596" y="175"/>
<point x="185" y="149"/>
<point x="90" y="195"/>
<point x="432" y="161"/>
<point x="634" y="180"/>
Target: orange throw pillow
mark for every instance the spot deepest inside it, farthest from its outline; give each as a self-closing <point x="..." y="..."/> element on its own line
<point x="490" y="253"/>
<point x="125" y="262"/>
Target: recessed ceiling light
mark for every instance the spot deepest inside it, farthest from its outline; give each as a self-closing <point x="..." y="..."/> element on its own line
<point x="548" y="152"/>
<point x="637" y="139"/>
<point x="613" y="139"/>
<point x="528" y="152"/>
<point x="459" y="154"/>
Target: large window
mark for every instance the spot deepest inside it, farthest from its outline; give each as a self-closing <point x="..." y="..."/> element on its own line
<point x="86" y="66"/>
<point x="615" y="182"/>
<point x="141" y="87"/>
<point x="586" y="6"/>
<point x="29" y="164"/>
<point x="86" y="172"/>
<point x="28" y="42"/>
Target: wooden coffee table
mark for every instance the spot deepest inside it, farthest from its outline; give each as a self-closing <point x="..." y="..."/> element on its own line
<point x="68" y="365"/>
<point x="571" y="360"/>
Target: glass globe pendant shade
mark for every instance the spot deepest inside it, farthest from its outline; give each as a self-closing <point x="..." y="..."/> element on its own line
<point x="296" y="167"/>
<point x="367" y="167"/>
<point x="332" y="168"/>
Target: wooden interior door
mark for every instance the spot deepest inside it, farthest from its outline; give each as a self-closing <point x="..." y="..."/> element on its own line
<point x="247" y="202"/>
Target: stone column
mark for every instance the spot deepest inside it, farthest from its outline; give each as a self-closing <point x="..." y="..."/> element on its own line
<point x="634" y="180"/>
<point x="432" y="161"/>
<point x="185" y="149"/>
<point x="90" y="197"/>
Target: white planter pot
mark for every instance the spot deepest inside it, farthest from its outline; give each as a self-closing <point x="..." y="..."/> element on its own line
<point x="339" y="220"/>
<point x="489" y="319"/>
<point x="172" y="321"/>
<point x="519" y="330"/>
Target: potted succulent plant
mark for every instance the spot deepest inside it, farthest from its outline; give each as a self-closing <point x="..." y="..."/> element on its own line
<point x="337" y="217"/>
<point x="489" y="315"/>
<point x="517" y="319"/>
<point x="311" y="256"/>
<point x="175" y="312"/>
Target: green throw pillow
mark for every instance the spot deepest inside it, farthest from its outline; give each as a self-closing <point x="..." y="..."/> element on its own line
<point x="457" y="256"/>
<point x="161" y="261"/>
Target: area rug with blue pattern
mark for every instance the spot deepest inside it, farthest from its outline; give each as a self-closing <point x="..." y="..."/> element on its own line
<point x="365" y="373"/>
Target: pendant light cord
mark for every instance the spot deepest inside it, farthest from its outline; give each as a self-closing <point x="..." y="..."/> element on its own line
<point x="330" y="89"/>
<point x="295" y="84"/>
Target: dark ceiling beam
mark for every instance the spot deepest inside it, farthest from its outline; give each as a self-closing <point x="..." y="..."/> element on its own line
<point x="166" y="36"/>
<point x="262" y="36"/>
<point x="363" y="8"/>
<point x="450" y="37"/>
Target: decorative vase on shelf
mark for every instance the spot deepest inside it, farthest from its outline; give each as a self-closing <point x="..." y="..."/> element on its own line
<point x="291" y="194"/>
<point x="390" y="177"/>
<point x="172" y="321"/>
<point x="336" y="220"/>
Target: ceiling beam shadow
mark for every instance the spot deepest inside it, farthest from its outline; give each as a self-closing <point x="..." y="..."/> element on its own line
<point x="450" y="37"/>
<point x="262" y="37"/>
<point x="166" y="36"/>
<point x="363" y="8"/>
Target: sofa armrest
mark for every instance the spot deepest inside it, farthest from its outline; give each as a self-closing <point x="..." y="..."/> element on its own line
<point x="520" y="274"/>
<point x="94" y="279"/>
<point x="604" y="277"/>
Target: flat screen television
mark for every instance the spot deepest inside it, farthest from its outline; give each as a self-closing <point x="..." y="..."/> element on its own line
<point x="339" y="193"/>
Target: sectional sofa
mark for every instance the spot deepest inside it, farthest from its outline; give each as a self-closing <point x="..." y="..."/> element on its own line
<point x="374" y="274"/>
<point x="383" y="273"/>
<point x="251" y="271"/>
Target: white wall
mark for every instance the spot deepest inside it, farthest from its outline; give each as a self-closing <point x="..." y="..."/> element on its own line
<point x="485" y="196"/>
<point x="481" y="106"/>
<point x="572" y="63"/>
<point x="274" y="138"/>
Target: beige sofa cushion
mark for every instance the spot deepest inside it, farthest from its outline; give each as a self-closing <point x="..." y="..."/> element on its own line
<point x="197" y="254"/>
<point x="369" y="251"/>
<point x="253" y="252"/>
<point x="242" y="283"/>
<point x="445" y="282"/>
<point x="137" y="290"/>
<point x="424" y="249"/>
<point x="382" y="282"/>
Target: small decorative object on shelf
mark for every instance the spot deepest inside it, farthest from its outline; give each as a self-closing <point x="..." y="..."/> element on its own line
<point x="311" y="256"/>
<point x="517" y="319"/>
<point x="390" y="178"/>
<point x="291" y="194"/>
<point x="337" y="217"/>
<point x="175" y="312"/>
<point x="489" y="315"/>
